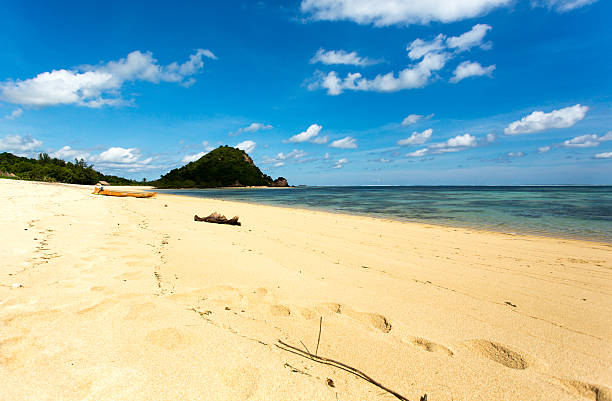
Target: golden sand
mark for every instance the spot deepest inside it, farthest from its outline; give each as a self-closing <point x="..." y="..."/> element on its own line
<point x="107" y="298"/>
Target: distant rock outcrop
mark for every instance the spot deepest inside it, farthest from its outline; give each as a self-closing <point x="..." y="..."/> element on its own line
<point x="223" y="167"/>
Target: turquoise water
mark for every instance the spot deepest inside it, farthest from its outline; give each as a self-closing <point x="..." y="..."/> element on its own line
<point x="560" y="211"/>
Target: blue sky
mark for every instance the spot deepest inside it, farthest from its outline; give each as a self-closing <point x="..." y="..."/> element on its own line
<point x="328" y="92"/>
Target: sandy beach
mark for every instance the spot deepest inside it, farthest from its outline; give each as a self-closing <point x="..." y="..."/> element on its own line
<point x="106" y="298"/>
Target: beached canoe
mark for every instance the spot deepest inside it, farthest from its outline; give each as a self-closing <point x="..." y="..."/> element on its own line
<point x="100" y="191"/>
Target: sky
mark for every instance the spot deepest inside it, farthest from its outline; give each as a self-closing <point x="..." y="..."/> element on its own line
<point x="322" y="92"/>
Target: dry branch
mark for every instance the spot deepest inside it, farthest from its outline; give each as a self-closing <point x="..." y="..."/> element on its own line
<point x="326" y="361"/>
<point x="218" y="219"/>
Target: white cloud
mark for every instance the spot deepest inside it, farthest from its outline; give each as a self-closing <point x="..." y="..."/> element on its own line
<point x="540" y="121"/>
<point x="96" y="86"/>
<point x="414" y="118"/>
<point x="309" y="135"/>
<point x="515" y="154"/>
<point x="118" y="158"/>
<point x="563" y="6"/>
<point x="340" y="163"/>
<point x="69" y="154"/>
<point x="192" y="158"/>
<point x="433" y="56"/>
<point x="341" y="57"/>
<point x="14" y="114"/>
<point x="471" y="69"/>
<point x="417" y="138"/>
<point x="455" y="144"/>
<point x="543" y="149"/>
<point x="587" y="141"/>
<point x="119" y="155"/>
<point x="326" y="156"/>
<point x="490" y="138"/>
<point x="398" y="12"/>
<point x="18" y="143"/>
<point x="248" y="146"/>
<point x="320" y="140"/>
<point x="582" y="141"/>
<point x="473" y="37"/>
<point x="461" y="141"/>
<point x="605" y="155"/>
<point x="252" y="128"/>
<point x="418" y="48"/>
<point x="280" y="158"/>
<point x="418" y="153"/>
<point x="345" y="143"/>
<point x="606" y="137"/>
<point x="415" y="76"/>
<point x="294" y="154"/>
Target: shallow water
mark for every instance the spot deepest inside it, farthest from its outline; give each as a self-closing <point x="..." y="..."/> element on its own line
<point x="560" y="211"/>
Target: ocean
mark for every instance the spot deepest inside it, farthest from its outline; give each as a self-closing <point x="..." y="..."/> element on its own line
<point x="582" y="212"/>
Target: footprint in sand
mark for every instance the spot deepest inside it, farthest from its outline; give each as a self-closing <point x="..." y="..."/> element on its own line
<point x="498" y="353"/>
<point x="242" y="381"/>
<point x="280" y="310"/>
<point x="431" y="346"/>
<point x="587" y="390"/>
<point x="168" y="338"/>
<point x="374" y="320"/>
<point x="142" y="311"/>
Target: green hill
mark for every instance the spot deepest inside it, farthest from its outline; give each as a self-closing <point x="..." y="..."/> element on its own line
<point x="222" y="167"/>
<point x="47" y="168"/>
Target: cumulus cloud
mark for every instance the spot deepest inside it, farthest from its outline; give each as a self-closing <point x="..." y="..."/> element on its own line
<point x="399" y="12"/>
<point x="428" y="57"/>
<point x="248" y="146"/>
<point x="197" y="156"/>
<point x="454" y="144"/>
<point x="252" y="128"/>
<point x="345" y="143"/>
<point x="320" y="140"/>
<point x="515" y="154"/>
<point x="119" y="158"/>
<point x="281" y="158"/>
<point x="119" y="155"/>
<point x="415" y="76"/>
<point x="310" y="135"/>
<point x="14" y="114"/>
<point x="471" y="69"/>
<point x="490" y="138"/>
<point x="563" y="6"/>
<point x="543" y="149"/>
<point x="605" y="155"/>
<point x="582" y="141"/>
<point x="19" y="144"/>
<point x="330" y="57"/>
<point x="587" y="141"/>
<point x="419" y="47"/>
<point x="417" y="138"/>
<point x="473" y="37"/>
<point x="414" y="118"/>
<point x="99" y="85"/>
<point x="340" y="163"/>
<point x="69" y="154"/>
<point x="192" y="158"/>
<point x="540" y="121"/>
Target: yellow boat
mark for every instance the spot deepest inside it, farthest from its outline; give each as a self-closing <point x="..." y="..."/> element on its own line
<point x="101" y="191"/>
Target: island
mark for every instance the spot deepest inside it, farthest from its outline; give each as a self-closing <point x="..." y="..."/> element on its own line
<point x="224" y="166"/>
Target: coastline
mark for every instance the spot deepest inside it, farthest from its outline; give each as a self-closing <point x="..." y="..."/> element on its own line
<point x="388" y="218"/>
<point x="131" y="299"/>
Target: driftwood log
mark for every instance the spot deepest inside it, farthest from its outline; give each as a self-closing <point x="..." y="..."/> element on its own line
<point x="218" y="219"/>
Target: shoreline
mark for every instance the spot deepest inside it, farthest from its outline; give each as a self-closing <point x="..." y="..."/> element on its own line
<point x="126" y="298"/>
<point x="482" y="229"/>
